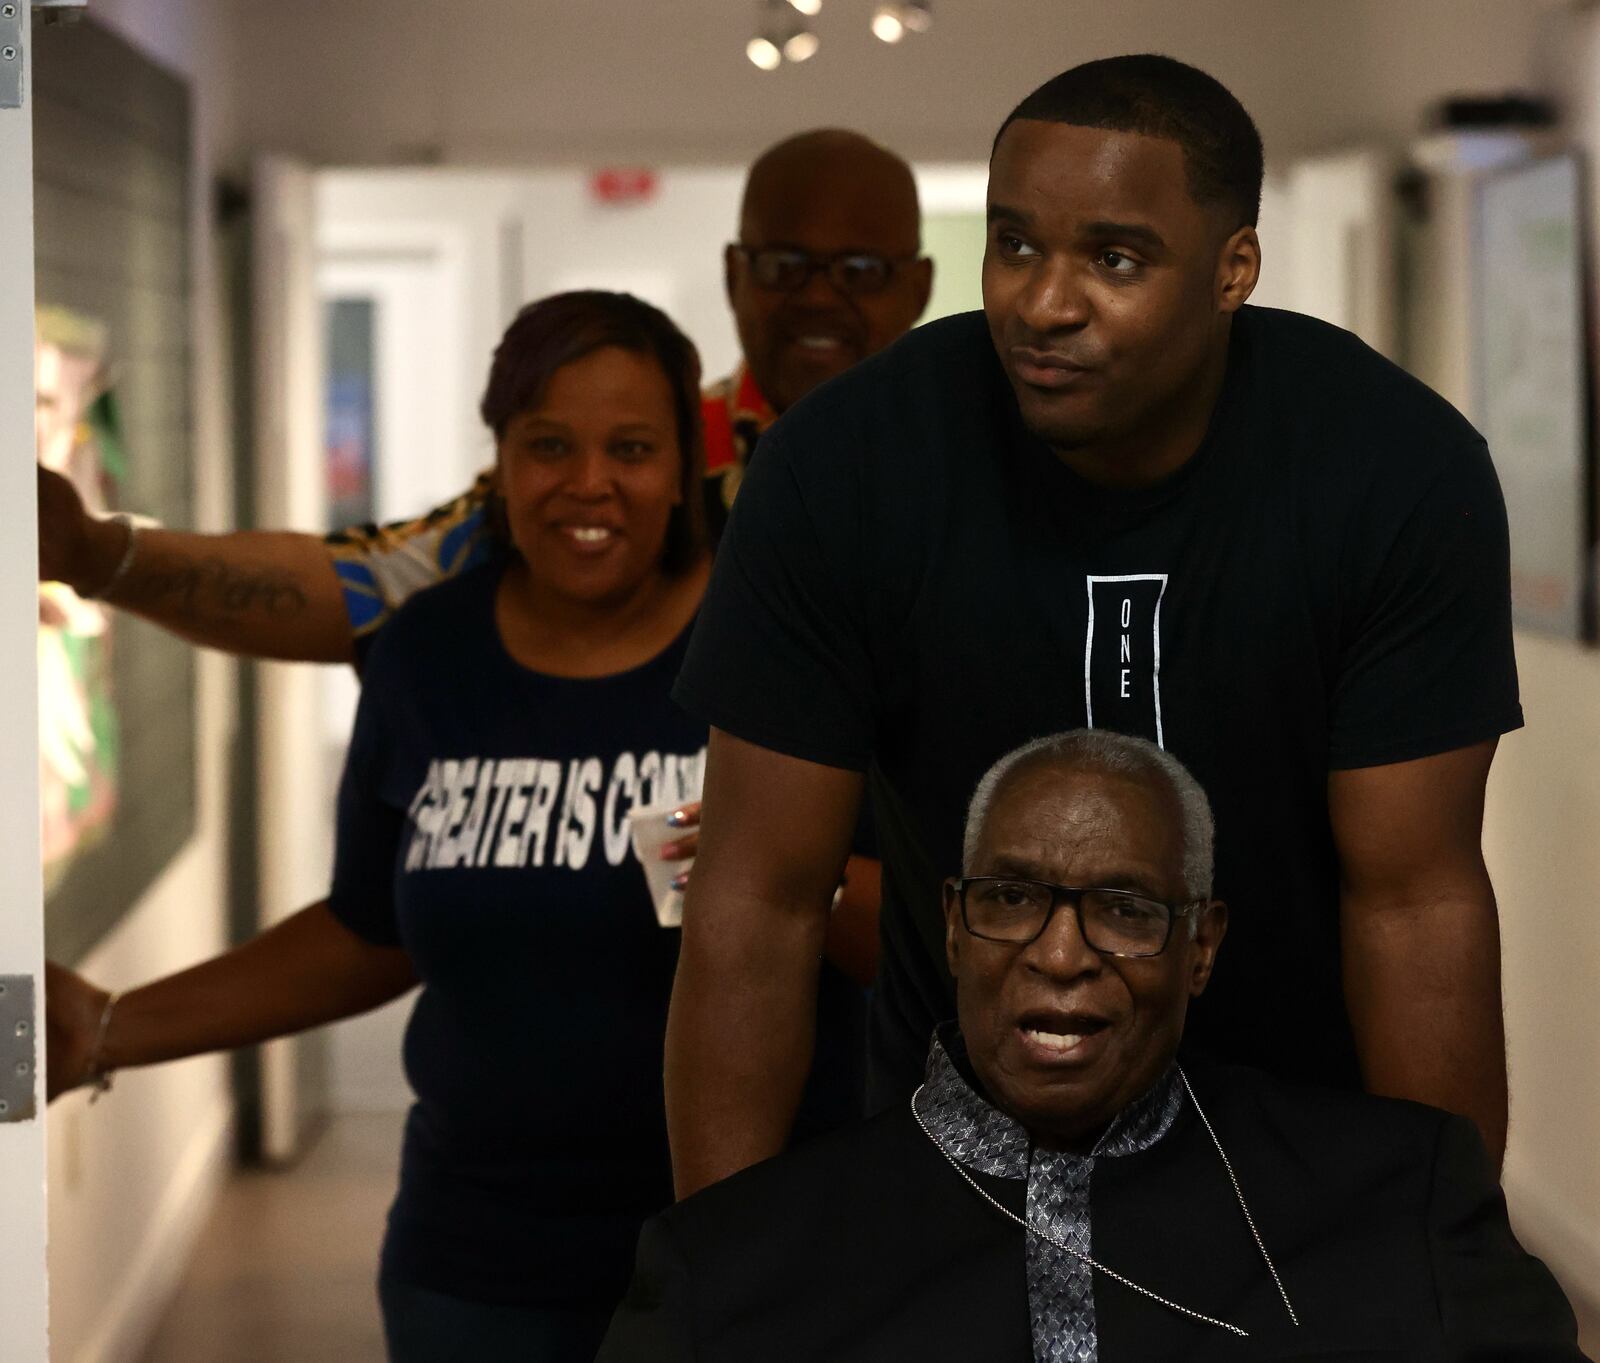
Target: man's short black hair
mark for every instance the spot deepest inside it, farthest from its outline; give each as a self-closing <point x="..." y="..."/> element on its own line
<point x="1162" y="97"/>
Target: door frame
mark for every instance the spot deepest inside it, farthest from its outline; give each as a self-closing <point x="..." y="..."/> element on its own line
<point x="24" y="1281"/>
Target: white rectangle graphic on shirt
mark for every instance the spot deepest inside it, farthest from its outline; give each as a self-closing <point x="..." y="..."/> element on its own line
<point x="1122" y="654"/>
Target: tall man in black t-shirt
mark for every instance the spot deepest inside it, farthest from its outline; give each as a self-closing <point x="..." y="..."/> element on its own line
<point x="1127" y="501"/>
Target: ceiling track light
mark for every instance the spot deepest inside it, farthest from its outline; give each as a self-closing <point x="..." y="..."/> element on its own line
<point x="764" y="53"/>
<point x="801" y="45"/>
<point x="891" y="22"/>
<point x="782" y="35"/>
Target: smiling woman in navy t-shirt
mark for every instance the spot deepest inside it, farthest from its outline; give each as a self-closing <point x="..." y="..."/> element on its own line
<point x="510" y="721"/>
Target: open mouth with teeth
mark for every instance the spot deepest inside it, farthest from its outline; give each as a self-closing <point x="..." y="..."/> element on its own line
<point x="588" y="539"/>
<point x="1062" y="1035"/>
<point x="823" y="346"/>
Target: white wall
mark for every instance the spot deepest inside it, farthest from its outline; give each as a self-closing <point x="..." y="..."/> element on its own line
<point x="1540" y="840"/>
<point x="131" y="1178"/>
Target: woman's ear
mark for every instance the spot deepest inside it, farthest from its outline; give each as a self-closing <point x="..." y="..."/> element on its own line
<point x="494" y="504"/>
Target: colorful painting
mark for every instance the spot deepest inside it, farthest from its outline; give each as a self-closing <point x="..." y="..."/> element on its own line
<point x="78" y="436"/>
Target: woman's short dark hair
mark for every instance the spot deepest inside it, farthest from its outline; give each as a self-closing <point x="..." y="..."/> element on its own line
<point x="555" y="331"/>
<point x="1163" y="97"/>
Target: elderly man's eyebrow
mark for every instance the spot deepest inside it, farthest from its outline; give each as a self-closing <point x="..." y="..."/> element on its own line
<point x="1132" y="883"/>
<point x="1020" y="867"/>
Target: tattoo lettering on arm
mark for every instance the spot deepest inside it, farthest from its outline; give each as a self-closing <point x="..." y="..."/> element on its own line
<point x="205" y="587"/>
<point x="256" y="593"/>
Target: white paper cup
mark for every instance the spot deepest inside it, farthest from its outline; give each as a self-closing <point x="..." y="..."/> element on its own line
<point x="649" y="832"/>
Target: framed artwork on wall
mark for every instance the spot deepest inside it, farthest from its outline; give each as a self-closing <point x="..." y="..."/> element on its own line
<point x="112" y="172"/>
<point x="1534" y="378"/>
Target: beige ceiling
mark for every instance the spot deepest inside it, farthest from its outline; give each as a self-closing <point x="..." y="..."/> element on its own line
<point x="513" y="80"/>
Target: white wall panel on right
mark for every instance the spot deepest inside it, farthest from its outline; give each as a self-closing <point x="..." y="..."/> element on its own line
<point x="1544" y="856"/>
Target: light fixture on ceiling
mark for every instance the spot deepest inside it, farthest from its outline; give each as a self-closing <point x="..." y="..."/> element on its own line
<point x="917" y="15"/>
<point x="801" y="45"/>
<point x="887" y="25"/>
<point x="782" y="34"/>
<point x="891" y="22"/>
<point x="764" y="53"/>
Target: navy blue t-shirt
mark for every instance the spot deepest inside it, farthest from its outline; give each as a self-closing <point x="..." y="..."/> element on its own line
<point x="482" y="826"/>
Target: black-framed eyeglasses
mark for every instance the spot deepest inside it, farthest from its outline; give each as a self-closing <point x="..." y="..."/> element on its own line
<point x="784" y="269"/>
<point x="1114" y="922"/>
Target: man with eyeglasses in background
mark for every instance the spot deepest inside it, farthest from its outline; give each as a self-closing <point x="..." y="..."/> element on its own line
<point x="825" y="272"/>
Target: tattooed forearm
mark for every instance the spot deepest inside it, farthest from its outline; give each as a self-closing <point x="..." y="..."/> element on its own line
<point x="263" y="594"/>
<point x="201" y="589"/>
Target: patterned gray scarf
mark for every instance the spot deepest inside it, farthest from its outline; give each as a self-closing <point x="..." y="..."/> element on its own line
<point x="985" y="1140"/>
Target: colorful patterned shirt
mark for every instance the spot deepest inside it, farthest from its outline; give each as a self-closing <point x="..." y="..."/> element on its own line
<point x="380" y="566"/>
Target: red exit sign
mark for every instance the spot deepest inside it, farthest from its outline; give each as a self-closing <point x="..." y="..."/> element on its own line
<point x="623" y="184"/>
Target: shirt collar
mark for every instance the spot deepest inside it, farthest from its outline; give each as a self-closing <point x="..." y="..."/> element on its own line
<point x="975" y="1133"/>
<point x="745" y="400"/>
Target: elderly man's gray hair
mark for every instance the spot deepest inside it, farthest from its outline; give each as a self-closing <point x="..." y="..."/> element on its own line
<point x="1119" y="755"/>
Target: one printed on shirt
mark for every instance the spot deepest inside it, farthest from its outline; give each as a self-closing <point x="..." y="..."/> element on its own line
<point x="513" y="812"/>
<point x="1122" y="655"/>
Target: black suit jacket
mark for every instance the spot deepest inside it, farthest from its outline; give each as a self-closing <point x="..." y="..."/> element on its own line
<point x="1385" y="1221"/>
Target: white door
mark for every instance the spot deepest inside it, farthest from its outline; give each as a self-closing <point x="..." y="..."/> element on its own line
<point x="294" y="832"/>
<point x="1342" y="256"/>
<point x="413" y="286"/>
<point x="23" y="1295"/>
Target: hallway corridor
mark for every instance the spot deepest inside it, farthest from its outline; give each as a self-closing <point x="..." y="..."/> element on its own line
<point x="285" y="1270"/>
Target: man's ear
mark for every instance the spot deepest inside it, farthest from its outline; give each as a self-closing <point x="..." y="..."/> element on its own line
<point x="730" y="270"/>
<point x="1210" y="927"/>
<point x="1238" y="269"/>
<point x="922" y="282"/>
<point x="952" y="926"/>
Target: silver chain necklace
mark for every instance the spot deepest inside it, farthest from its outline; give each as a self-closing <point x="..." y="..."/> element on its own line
<point x="1043" y="1234"/>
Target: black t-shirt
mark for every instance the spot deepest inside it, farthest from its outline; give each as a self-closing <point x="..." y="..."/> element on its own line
<point x="482" y="826"/>
<point x="912" y="584"/>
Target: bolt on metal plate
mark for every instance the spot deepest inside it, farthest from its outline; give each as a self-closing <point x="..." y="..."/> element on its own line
<point x="11" y="54"/>
<point x="19" y="1053"/>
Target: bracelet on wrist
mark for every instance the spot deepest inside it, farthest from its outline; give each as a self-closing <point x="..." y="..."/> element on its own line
<point x="133" y="524"/>
<point x="99" y="1077"/>
<point x="124" y="560"/>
